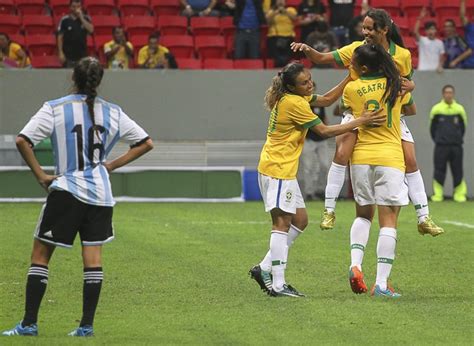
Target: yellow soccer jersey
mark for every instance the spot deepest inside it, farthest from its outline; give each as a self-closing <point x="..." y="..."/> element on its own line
<point x="289" y="122"/>
<point x="401" y="57"/>
<point x="378" y="146"/>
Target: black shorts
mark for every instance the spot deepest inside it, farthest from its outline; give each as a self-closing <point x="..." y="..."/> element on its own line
<point x="63" y="216"/>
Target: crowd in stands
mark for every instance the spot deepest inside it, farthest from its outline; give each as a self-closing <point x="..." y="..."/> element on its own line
<point x="222" y="34"/>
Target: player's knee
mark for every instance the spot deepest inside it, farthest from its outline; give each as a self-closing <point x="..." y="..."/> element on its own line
<point x="341" y="156"/>
<point x="301" y="224"/>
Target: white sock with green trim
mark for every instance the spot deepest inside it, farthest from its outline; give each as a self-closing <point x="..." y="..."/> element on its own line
<point x="336" y="177"/>
<point x="385" y="255"/>
<point x="293" y="233"/>
<point x="417" y="193"/>
<point x="359" y="237"/>
<point x="278" y="252"/>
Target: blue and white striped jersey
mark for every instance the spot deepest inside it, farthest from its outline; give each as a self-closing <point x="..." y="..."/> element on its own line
<point x="79" y="151"/>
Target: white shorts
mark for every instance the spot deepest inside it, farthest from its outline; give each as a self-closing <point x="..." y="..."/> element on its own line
<point x="379" y="185"/>
<point x="405" y="131"/>
<point x="280" y="193"/>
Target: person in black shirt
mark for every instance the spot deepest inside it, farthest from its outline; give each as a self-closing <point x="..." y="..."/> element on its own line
<point x="342" y="12"/>
<point x="310" y="14"/>
<point x="72" y="34"/>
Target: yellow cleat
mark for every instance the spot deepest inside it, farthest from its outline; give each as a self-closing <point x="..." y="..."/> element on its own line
<point x="429" y="227"/>
<point x="328" y="220"/>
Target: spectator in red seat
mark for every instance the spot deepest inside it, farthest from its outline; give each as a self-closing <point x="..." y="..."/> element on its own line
<point x="12" y="54"/>
<point x="456" y="48"/>
<point x="355" y="26"/>
<point x="119" y="51"/>
<point x="248" y="18"/>
<point x="310" y="14"/>
<point x="72" y="34"/>
<point x="468" y="34"/>
<point x="281" y="31"/>
<point x="430" y="48"/>
<point x="323" y="40"/>
<point x="154" y="55"/>
<point x="342" y="11"/>
<point x="201" y="8"/>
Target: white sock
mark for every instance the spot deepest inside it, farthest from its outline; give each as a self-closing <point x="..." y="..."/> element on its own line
<point x="417" y="193"/>
<point x="278" y="252"/>
<point x="336" y="177"/>
<point x="385" y="255"/>
<point x="293" y="233"/>
<point x="359" y="237"/>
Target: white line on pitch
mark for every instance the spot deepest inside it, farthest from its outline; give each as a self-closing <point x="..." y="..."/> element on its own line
<point x="462" y="224"/>
<point x="230" y="222"/>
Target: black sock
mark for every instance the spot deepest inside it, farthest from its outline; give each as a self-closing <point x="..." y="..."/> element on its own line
<point x="35" y="287"/>
<point x="92" y="284"/>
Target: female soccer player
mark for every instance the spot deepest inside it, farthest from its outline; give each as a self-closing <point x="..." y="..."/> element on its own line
<point x="290" y="118"/>
<point x="377" y="163"/>
<point x="378" y="28"/>
<point x="83" y="129"/>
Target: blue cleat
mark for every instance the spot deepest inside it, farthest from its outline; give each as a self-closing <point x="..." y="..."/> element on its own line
<point x="82" y="331"/>
<point x="389" y="292"/>
<point x="31" y="330"/>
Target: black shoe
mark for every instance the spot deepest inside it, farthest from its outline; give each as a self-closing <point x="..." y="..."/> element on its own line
<point x="263" y="278"/>
<point x="287" y="291"/>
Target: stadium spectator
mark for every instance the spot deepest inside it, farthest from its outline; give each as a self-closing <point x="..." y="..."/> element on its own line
<point x="248" y="18"/>
<point x="226" y="7"/>
<point x="323" y="40"/>
<point x="119" y="51"/>
<point x="355" y="26"/>
<point x="200" y="8"/>
<point x="430" y="48"/>
<point x="342" y="12"/>
<point x="468" y="34"/>
<point x="310" y="14"/>
<point x="154" y="55"/>
<point x="12" y="55"/>
<point x="456" y="48"/>
<point x="281" y="31"/>
<point x="448" y="124"/>
<point x="72" y="34"/>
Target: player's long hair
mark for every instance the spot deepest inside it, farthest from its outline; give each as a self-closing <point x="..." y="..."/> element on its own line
<point x="378" y="60"/>
<point x="87" y="76"/>
<point x="382" y="20"/>
<point x="287" y="76"/>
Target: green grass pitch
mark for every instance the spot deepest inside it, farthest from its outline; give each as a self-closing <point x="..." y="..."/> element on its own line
<point x="177" y="274"/>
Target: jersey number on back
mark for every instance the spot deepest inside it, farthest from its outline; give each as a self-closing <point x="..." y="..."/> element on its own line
<point x="91" y="145"/>
<point x="376" y="105"/>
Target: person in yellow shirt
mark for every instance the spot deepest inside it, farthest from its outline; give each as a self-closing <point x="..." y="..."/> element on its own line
<point x="377" y="162"/>
<point x="289" y="99"/>
<point x="281" y="31"/>
<point x="153" y="55"/>
<point x="11" y="53"/>
<point x="119" y="52"/>
<point x="378" y="28"/>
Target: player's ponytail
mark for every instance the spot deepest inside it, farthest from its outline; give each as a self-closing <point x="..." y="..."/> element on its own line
<point x="87" y="76"/>
<point x="377" y="60"/>
<point x="287" y="76"/>
<point x="382" y="20"/>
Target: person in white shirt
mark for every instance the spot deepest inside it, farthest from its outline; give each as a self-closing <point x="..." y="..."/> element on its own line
<point x="431" y="49"/>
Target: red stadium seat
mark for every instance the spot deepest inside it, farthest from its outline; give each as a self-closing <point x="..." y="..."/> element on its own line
<point x="402" y="23"/>
<point x="201" y="26"/>
<point x="134" y="7"/>
<point x="46" y="61"/>
<point x="103" y="25"/>
<point x="218" y="64"/>
<point x="410" y="44"/>
<point x="180" y="45"/>
<point x="139" y="25"/>
<point x="91" y="51"/>
<point x="414" y="61"/>
<point x="10" y="24"/>
<point x="210" y="47"/>
<point x="59" y="7"/>
<point x="269" y="63"/>
<point x="230" y="45"/>
<point x="189" y="64"/>
<point x="412" y="8"/>
<point x="100" y="7"/>
<point x="166" y="7"/>
<point x="138" y="42"/>
<point x="227" y="26"/>
<point x="41" y="45"/>
<point x="445" y="8"/>
<point x="391" y="6"/>
<point x="293" y="3"/>
<point x="470" y="8"/>
<point x="100" y="40"/>
<point x="30" y="6"/>
<point x="20" y="39"/>
<point x="38" y="24"/>
<point x="249" y="64"/>
<point x="7" y="7"/>
<point x="172" y="25"/>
